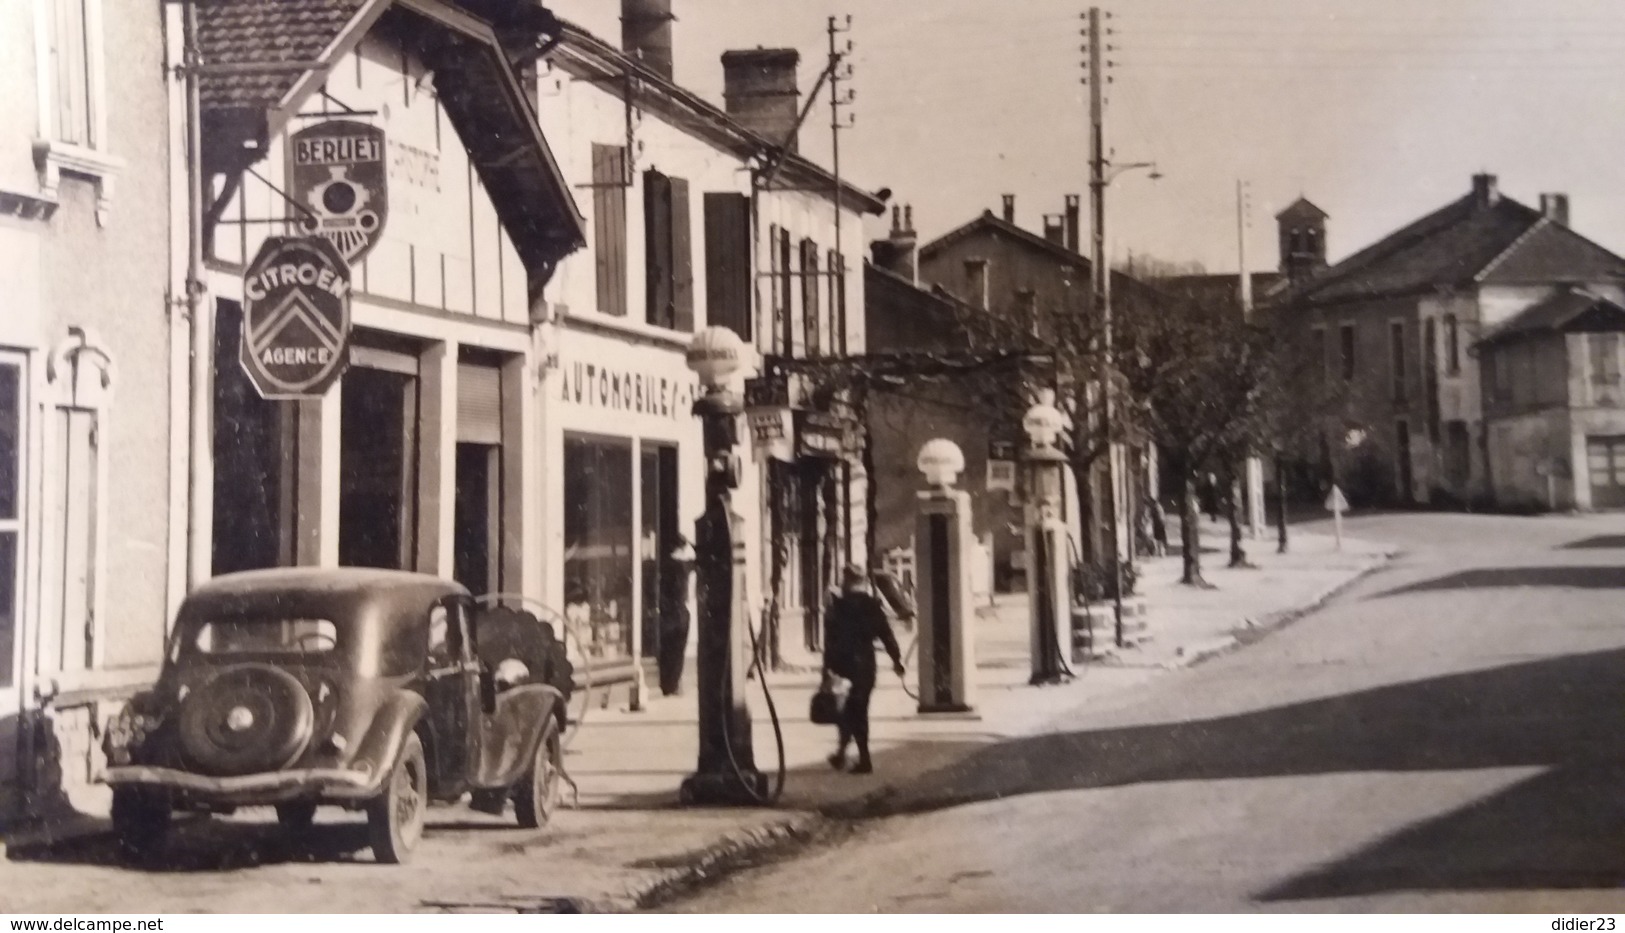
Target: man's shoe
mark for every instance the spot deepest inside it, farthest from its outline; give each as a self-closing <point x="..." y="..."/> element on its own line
<point x="863" y="767"/>
<point x="837" y="760"/>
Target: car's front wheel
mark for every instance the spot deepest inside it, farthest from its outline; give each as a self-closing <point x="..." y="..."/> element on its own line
<point x="141" y="820"/>
<point x="395" y="817"/>
<point x="538" y="794"/>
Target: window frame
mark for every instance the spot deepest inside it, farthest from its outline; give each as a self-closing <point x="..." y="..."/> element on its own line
<point x="1452" y="345"/>
<point x="1348" y="349"/>
<point x="1397" y="371"/>
<point x="54" y="154"/>
<point x="17" y="525"/>
<point x="1609" y="376"/>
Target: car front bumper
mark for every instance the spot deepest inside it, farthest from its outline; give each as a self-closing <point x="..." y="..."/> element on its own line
<point x="248" y="789"/>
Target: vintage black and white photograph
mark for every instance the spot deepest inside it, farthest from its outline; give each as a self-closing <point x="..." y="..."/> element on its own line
<point x="838" y="456"/>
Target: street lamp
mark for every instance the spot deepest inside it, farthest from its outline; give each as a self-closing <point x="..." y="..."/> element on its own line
<point x="727" y="771"/>
<point x="1049" y="601"/>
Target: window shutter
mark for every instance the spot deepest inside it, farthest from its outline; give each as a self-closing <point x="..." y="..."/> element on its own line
<point x="837" y="304"/>
<point x="727" y="261"/>
<point x="479" y="404"/>
<point x="682" y="256"/>
<point x="609" y="226"/>
<point x="787" y="294"/>
<point x="809" y="294"/>
<point x="657" y="222"/>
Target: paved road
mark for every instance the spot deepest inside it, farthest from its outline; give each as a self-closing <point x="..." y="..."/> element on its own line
<point x="1449" y="735"/>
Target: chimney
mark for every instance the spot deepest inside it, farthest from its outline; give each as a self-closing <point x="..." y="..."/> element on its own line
<point x="1009" y="208"/>
<point x="646" y="33"/>
<point x="1054" y="229"/>
<point x="1072" y="222"/>
<point x="1555" y="207"/>
<point x="897" y="253"/>
<point x="976" y="276"/>
<point x="759" y="90"/>
<point x="1486" y="191"/>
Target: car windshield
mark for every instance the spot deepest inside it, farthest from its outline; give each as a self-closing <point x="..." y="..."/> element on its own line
<point x="267" y="635"/>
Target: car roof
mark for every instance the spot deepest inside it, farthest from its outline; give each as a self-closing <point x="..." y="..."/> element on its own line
<point x="329" y="581"/>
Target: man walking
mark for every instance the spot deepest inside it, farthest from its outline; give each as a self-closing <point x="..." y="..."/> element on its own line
<point x="855" y="620"/>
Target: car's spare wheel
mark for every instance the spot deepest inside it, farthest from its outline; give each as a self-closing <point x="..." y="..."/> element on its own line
<point x="246" y="719"/>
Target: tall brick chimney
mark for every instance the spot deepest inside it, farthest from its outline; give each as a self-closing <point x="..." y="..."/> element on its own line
<point x="1073" y="221"/>
<point x="759" y="91"/>
<point x="1486" y="190"/>
<point x="1555" y="207"/>
<point x="646" y="33"/>
<point x="1009" y="208"/>
<point x="899" y="251"/>
<point x="1055" y="229"/>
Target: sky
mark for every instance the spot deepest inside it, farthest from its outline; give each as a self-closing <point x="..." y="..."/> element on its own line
<point x="1379" y="111"/>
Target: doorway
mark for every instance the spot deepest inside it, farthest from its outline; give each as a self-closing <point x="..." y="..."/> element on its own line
<point x="378" y="468"/>
<point x="254" y="450"/>
<point x="665" y="623"/>
<point x="477" y="509"/>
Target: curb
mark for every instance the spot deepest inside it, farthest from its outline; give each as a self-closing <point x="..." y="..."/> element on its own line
<point x="1276" y="621"/>
<point x="715" y="863"/>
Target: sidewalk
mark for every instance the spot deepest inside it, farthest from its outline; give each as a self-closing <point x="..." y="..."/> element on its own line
<point x="630" y="845"/>
<point x="637" y="760"/>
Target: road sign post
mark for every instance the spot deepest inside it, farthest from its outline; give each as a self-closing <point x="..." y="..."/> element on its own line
<point x="1337" y="505"/>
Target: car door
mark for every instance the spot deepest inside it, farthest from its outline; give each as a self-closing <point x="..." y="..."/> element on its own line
<point x="453" y="694"/>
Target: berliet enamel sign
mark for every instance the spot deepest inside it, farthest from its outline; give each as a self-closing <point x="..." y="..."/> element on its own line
<point x="337" y="174"/>
<point x="296" y="318"/>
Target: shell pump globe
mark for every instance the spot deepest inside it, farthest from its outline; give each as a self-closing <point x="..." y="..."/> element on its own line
<point x="940" y="462"/>
<point x="716" y="355"/>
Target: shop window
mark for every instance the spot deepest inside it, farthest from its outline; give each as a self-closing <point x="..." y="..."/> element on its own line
<point x="669" y="254"/>
<point x="378" y="468"/>
<point x="598" y="542"/>
<point x="609" y="226"/>
<point x="664" y="578"/>
<point x="252" y="438"/>
<point x="478" y="510"/>
<point x="11" y="499"/>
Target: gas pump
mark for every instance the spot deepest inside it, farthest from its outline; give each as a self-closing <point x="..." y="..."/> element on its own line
<point x="1049" y="580"/>
<point x="943" y="540"/>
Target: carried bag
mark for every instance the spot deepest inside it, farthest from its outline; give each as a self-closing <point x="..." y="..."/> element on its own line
<point x="827" y="704"/>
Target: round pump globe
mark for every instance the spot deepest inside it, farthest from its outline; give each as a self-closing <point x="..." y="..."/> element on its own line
<point x="716" y="355"/>
<point x="1043" y="424"/>
<point x="941" y="461"/>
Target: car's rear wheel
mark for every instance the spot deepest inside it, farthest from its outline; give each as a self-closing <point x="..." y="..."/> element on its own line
<point x="295" y="816"/>
<point x="538" y="793"/>
<point x="141" y="820"/>
<point x="395" y="817"/>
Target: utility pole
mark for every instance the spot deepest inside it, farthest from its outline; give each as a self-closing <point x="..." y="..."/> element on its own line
<point x="1102" y="295"/>
<point x="840" y="69"/>
<point x="1253" y="472"/>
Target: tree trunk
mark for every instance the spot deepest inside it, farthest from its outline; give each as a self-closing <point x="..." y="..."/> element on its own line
<point x="1238" y="556"/>
<point x="1280" y="497"/>
<point x="1190" y="535"/>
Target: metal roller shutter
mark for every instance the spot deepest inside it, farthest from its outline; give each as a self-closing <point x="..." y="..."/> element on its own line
<point x="479" y="404"/>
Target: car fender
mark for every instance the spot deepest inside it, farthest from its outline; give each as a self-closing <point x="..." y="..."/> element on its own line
<point x="511" y="733"/>
<point x="380" y="748"/>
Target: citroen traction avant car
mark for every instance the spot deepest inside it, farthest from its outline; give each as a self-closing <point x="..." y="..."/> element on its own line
<point x="372" y="690"/>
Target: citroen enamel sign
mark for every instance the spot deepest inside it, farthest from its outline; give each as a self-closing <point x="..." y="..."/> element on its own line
<point x="296" y="318"/>
<point x="337" y="175"/>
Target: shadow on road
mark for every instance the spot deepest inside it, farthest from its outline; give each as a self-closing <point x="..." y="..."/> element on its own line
<point x="1591" y="578"/>
<point x="1597" y="543"/>
<point x="1560" y="830"/>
